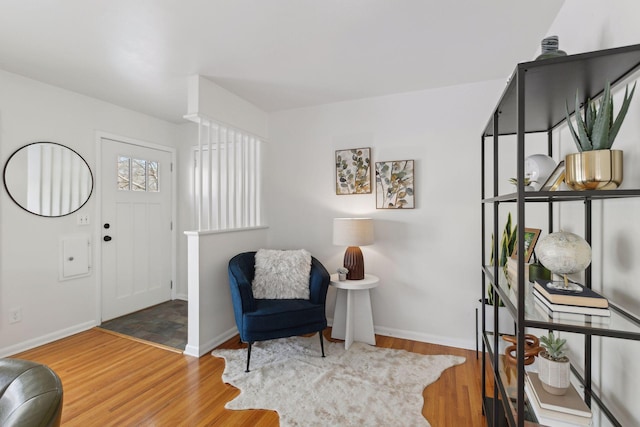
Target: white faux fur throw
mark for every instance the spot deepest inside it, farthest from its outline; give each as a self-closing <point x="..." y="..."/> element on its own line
<point x="282" y="274"/>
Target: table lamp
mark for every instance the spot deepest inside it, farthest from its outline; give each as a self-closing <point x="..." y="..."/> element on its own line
<point x="353" y="233"/>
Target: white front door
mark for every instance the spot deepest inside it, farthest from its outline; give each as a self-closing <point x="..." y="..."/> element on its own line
<point x="136" y="227"/>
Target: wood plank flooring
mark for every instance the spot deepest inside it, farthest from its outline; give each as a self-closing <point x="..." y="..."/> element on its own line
<point x="109" y="380"/>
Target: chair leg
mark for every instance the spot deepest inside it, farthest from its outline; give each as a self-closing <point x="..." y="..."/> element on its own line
<point x="248" y="355"/>
<point x="321" y="343"/>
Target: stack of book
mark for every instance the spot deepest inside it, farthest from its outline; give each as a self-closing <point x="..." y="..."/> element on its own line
<point x="568" y="410"/>
<point x="559" y="303"/>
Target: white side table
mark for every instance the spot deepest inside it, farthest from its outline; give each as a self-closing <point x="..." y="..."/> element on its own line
<point x="352" y="317"/>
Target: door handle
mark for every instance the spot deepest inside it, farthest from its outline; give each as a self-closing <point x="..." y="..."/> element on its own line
<point x="107" y="238"/>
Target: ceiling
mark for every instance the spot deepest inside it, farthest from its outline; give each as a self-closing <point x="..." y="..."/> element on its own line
<point x="277" y="54"/>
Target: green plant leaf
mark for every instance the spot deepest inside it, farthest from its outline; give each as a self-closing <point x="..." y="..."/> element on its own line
<point x="507" y="243"/>
<point x="590" y="114"/>
<point x="513" y="239"/>
<point x="613" y="132"/>
<point x="507" y="226"/>
<point x="576" y="139"/>
<point x="585" y="144"/>
<point x="503" y="250"/>
<point x="492" y="250"/>
<point x="600" y="134"/>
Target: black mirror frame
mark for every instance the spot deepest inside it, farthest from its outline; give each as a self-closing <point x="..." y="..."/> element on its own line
<point x="6" y="187"/>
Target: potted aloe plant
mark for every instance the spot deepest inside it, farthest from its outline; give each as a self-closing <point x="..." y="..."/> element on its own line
<point x="596" y="166"/>
<point x="554" y="368"/>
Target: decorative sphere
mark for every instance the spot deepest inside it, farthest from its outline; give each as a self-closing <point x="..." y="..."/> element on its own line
<point x="563" y="252"/>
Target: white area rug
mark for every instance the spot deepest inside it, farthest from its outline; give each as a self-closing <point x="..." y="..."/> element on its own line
<point x="364" y="386"/>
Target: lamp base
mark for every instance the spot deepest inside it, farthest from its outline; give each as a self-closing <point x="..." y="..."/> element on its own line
<point x="354" y="262"/>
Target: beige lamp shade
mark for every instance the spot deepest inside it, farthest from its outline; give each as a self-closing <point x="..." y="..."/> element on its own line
<point x="353" y="232"/>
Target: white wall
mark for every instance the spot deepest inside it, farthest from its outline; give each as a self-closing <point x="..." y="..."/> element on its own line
<point x="204" y="256"/>
<point x="427" y="258"/>
<point x="214" y="102"/>
<point x="211" y="320"/>
<point x="188" y="138"/>
<point x="29" y="245"/>
<point x="582" y="26"/>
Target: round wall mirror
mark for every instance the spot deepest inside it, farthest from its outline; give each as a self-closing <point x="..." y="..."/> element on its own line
<point x="48" y="179"/>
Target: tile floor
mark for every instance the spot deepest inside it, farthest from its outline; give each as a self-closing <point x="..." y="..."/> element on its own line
<point x="164" y="324"/>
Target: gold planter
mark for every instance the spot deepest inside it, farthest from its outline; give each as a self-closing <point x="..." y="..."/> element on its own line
<point x="594" y="170"/>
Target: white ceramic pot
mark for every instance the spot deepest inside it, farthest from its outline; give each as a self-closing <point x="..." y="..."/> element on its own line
<point x="555" y="376"/>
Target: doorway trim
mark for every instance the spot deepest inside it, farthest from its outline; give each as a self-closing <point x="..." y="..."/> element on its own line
<point x="100" y="135"/>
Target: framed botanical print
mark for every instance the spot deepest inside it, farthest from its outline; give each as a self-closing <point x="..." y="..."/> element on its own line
<point x="394" y="185"/>
<point x="353" y="171"/>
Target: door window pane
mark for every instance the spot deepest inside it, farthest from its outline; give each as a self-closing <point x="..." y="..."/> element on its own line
<point x="152" y="176"/>
<point x="138" y="175"/>
<point x="124" y="173"/>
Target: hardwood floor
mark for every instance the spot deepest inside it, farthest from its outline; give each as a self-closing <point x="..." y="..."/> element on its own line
<point x="109" y="380"/>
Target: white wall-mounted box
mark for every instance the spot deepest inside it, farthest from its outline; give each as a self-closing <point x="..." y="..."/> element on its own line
<point x="75" y="257"/>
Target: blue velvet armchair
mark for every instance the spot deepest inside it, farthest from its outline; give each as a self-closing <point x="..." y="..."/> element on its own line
<point x="266" y="319"/>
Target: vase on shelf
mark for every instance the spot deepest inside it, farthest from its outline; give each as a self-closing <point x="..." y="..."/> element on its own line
<point x="549" y="47"/>
<point x="594" y="170"/>
<point x="555" y="375"/>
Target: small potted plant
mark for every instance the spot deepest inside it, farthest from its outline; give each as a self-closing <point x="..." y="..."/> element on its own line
<point x="342" y="273"/>
<point x="554" y="368"/>
<point x="594" y="135"/>
<point x="527" y="183"/>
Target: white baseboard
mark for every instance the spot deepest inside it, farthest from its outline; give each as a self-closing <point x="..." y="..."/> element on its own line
<point x="197" y="351"/>
<point x="428" y="338"/>
<point x="191" y="350"/>
<point x="422" y="337"/>
<point x="182" y="297"/>
<point x="46" y="339"/>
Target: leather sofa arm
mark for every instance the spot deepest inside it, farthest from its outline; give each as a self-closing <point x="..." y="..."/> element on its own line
<point x="30" y="394"/>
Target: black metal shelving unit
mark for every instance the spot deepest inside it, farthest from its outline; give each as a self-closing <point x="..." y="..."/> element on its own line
<point x="534" y="102"/>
